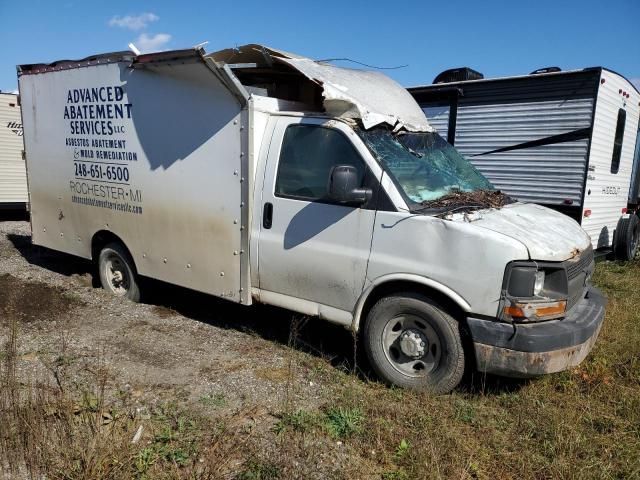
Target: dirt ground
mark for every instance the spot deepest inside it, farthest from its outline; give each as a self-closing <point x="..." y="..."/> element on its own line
<point x="181" y="346"/>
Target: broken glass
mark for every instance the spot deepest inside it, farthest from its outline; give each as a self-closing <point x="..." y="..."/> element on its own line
<point x="424" y="165"/>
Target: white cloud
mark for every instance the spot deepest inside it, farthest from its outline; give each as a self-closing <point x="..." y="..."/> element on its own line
<point x="133" y="22"/>
<point x="152" y="43"/>
<point x="11" y="90"/>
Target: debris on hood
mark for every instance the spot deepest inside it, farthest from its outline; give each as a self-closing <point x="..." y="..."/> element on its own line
<point x="369" y="96"/>
<point x="461" y="202"/>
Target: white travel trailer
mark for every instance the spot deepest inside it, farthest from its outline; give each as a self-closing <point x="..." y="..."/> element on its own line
<point x="563" y="139"/>
<point x="13" y="177"/>
<point x="257" y="175"/>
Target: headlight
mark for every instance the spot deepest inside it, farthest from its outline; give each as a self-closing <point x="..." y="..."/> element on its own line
<point x="538" y="283"/>
<point x="534" y="292"/>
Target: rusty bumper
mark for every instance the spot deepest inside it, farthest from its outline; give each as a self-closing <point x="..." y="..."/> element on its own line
<point x="528" y="350"/>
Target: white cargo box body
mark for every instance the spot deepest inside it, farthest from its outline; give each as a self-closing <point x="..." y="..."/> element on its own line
<point x="141" y="149"/>
<point x="13" y="177"/>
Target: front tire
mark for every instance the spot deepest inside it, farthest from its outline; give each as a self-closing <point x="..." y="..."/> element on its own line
<point x="412" y="342"/>
<point x="117" y="272"/>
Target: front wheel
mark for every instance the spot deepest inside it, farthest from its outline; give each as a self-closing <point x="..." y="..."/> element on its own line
<point x="413" y="343"/>
<point x="117" y="272"/>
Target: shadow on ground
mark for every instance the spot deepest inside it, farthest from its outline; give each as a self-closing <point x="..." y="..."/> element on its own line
<point x="13" y="215"/>
<point x="311" y="335"/>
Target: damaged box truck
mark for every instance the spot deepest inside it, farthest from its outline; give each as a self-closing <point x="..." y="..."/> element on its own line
<point x="257" y="175"/>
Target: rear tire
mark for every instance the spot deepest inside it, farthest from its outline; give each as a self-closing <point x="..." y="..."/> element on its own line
<point x="117" y="272"/>
<point x="625" y="242"/>
<point x="412" y="342"/>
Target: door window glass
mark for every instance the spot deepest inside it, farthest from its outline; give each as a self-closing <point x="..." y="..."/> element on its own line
<point x="307" y="156"/>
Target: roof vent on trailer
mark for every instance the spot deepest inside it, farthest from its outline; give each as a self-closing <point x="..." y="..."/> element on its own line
<point x="458" y="75"/>
<point x="546" y="70"/>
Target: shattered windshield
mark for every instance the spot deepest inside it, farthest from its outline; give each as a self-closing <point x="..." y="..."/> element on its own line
<point x="424" y="165"/>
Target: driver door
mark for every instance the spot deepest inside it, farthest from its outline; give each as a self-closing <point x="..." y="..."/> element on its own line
<point x="312" y="248"/>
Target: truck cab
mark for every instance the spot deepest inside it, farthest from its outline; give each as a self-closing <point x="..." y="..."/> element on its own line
<point x="343" y="204"/>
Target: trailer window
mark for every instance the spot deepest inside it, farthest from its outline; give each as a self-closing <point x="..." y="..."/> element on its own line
<point x="617" y="142"/>
<point x="307" y="155"/>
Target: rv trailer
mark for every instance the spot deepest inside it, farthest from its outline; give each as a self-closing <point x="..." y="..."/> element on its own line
<point x="13" y="176"/>
<point x="567" y="140"/>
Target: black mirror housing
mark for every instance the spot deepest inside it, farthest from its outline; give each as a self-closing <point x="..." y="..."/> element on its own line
<point x="343" y="186"/>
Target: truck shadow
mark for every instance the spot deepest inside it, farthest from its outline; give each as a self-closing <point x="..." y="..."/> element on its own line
<point x="57" y="262"/>
<point x="321" y="339"/>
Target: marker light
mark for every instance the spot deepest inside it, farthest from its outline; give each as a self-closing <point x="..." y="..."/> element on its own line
<point x="532" y="312"/>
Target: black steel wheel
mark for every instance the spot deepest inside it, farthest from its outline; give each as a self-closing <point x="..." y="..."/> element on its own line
<point x="412" y="342"/>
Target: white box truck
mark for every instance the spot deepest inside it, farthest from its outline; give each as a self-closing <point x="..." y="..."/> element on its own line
<point x="13" y="177"/>
<point x="257" y="175"/>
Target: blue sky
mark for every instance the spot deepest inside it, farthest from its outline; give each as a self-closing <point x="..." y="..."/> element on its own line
<point x="495" y="37"/>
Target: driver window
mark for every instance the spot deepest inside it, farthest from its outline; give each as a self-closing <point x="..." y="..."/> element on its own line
<point x="307" y="156"/>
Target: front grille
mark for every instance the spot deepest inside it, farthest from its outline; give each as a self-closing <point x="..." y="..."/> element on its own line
<point x="577" y="265"/>
<point x="578" y="269"/>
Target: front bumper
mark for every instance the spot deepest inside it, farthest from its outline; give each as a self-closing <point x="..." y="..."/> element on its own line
<point x="528" y="350"/>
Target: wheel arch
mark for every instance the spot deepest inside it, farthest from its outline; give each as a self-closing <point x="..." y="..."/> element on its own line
<point x="104" y="237"/>
<point x="390" y="284"/>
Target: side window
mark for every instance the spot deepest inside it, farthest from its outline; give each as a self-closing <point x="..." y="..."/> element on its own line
<point x="307" y="156"/>
<point x="617" y="142"/>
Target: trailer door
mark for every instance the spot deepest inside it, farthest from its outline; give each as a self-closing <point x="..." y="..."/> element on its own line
<point x="310" y="248"/>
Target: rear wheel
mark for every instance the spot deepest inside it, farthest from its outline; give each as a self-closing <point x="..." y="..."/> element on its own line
<point x="625" y="242"/>
<point x="117" y="272"/>
<point x="412" y="342"/>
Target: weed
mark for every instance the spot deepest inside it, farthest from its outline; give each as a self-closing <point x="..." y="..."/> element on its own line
<point x="465" y="412"/>
<point x="344" y="422"/>
<point x="255" y="470"/>
<point x="395" y="475"/>
<point x="402" y="448"/>
<point x="299" y="421"/>
<point x="214" y="400"/>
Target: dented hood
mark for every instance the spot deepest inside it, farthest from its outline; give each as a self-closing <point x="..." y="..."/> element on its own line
<point x="547" y="234"/>
<point x="347" y="93"/>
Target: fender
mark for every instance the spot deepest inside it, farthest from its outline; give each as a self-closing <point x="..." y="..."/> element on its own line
<point x="405" y="277"/>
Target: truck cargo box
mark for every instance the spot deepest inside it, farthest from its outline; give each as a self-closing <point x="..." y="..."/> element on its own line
<point x="140" y="147"/>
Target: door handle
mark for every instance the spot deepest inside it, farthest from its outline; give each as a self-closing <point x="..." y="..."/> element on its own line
<point x="267" y="215"/>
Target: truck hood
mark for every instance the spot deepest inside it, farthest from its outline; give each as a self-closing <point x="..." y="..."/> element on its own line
<point x="548" y="235"/>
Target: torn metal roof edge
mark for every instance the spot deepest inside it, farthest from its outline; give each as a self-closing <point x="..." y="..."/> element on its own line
<point x="347" y="93"/>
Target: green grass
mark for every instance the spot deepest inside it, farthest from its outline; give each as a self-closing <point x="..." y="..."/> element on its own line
<point x="344" y="422"/>
<point x="214" y="400"/>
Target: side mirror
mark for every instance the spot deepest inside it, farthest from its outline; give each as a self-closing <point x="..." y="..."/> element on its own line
<point x="343" y="186"/>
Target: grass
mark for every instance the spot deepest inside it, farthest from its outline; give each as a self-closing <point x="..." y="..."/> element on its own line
<point x="583" y="423"/>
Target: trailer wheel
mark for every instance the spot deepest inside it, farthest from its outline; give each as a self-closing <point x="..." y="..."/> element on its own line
<point x="411" y="342"/>
<point x="117" y="272"/>
<point x="625" y="242"/>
